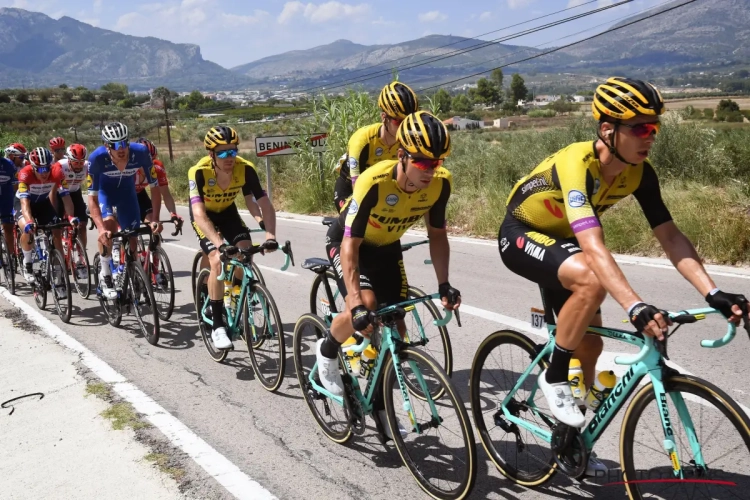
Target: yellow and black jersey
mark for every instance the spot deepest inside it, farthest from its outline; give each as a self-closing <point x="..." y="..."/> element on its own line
<point x="205" y="189"/>
<point x="380" y="212"/>
<point x="566" y="193"/>
<point x="366" y="149"/>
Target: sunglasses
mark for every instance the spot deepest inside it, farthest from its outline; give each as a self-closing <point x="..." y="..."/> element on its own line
<point x="118" y="145"/>
<point x="61" y="150"/>
<point x="227" y="153"/>
<point x="425" y="163"/>
<point x="42" y="170"/>
<point x="77" y="163"/>
<point x="396" y="121"/>
<point x="643" y="130"/>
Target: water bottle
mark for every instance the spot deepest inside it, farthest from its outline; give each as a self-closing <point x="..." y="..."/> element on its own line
<point x="602" y="387"/>
<point x="575" y="378"/>
<point x="353" y="357"/>
<point x="116" y="254"/>
<point x="367" y="361"/>
<point x="235" y="296"/>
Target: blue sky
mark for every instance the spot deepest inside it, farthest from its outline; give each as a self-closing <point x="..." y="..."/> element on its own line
<point x="233" y="32"/>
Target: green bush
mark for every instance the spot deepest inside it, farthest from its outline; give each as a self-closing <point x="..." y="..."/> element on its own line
<point x="542" y="113"/>
<point x="708" y="113"/>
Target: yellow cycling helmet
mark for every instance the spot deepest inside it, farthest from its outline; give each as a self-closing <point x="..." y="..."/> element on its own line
<point x="423" y="134"/>
<point x="398" y="100"/>
<point x="623" y="98"/>
<point x="219" y="136"/>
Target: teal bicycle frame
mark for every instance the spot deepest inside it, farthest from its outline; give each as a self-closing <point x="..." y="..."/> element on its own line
<point x="648" y="361"/>
<point x="390" y="344"/>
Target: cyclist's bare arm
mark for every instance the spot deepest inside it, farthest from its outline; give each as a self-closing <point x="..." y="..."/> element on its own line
<point x="68" y="204"/>
<point x="253" y="207"/>
<point x="156" y="202"/>
<point x="26" y="210"/>
<point x="350" y="269"/>
<point x="95" y="212"/>
<point x="205" y="224"/>
<point x="269" y="214"/>
<point x="683" y="255"/>
<point x="440" y="250"/>
<point x="168" y="199"/>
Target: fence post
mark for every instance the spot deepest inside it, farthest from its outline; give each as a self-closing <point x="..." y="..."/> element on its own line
<point x="268" y="179"/>
<point x="320" y="168"/>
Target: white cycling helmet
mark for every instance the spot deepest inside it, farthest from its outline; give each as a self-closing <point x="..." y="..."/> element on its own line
<point x="115" y="132"/>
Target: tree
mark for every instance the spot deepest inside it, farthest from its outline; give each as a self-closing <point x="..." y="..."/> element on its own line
<point x="66" y="96"/>
<point x="669" y="81"/>
<point x="497" y="77"/>
<point x="87" y="96"/>
<point x="80" y="88"/>
<point x="487" y="92"/>
<point x="62" y="86"/>
<point x="105" y="97"/>
<point x="125" y="103"/>
<point x="518" y="88"/>
<point x="743" y="73"/>
<point x="443" y="99"/>
<point x="462" y="104"/>
<point x="44" y="95"/>
<point x="166" y="96"/>
<point x="117" y="90"/>
<point x="195" y="100"/>
<point x="4" y="98"/>
<point x="727" y="105"/>
<point x="22" y="96"/>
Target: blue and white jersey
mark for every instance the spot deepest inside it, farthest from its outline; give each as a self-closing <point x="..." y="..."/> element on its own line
<point x="8" y="178"/>
<point x="104" y="175"/>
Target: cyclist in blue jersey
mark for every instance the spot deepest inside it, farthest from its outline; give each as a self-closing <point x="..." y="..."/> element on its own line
<point x="112" y="174"/>
<point x="7" y="194"/>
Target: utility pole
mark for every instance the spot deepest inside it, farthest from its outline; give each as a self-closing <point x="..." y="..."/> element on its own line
<point x="166" y="121"/>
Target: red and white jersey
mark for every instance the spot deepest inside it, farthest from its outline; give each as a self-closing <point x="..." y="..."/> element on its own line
<point x="158" y="172"/>
<point x="35" y="189"/>
<point x="75" y="179"/>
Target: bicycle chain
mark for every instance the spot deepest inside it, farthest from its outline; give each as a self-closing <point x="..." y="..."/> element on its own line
<point x="352" y="408"/>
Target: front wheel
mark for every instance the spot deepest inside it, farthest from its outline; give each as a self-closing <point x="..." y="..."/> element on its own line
<point x="710" y="430"/>
<point x="8" y="272"/>
<point x="162" y="281"/>
<point x="80" y="269"/>
<point x="262" y="327"/>
<point x="194" y="270"/>
<point x="143" y="303"/>
<point x="112" y="309"/>
<point x="57" y="274"/>
<point x="438" y="443"/>
<point x="40" y="284"/>
<point x="203" y="305"/>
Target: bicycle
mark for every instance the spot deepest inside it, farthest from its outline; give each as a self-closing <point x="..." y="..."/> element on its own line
<point x="157" y="267"/>
<point x="7" y="261"/>
<point x="521" y="415"/>
<point x="254" y="301"/>
<point x="134" y="292"/>
<point x="50" y="272"/>
<point x="397" y="361"/>
<point x="76" y="261"/>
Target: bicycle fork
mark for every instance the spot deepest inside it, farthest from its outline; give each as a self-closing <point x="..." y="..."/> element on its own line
<point x="417" y="427"/>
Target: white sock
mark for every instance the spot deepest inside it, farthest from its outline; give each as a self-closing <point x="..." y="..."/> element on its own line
<point x="27" y="256"/>
<point x="105" y="270"/>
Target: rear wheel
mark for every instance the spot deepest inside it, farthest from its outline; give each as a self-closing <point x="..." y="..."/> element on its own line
<point x="195" y="270"/>
<point x="320" y="302"/>
<point x="40" y="281"/>
<point x="9" y="275"/>
<point x="162" y="281"/>
<point x="143" y="303"/>
<point x="57" y="274"/>
<point x="262" y="327"/>
<point x="111" y="308"/>
<point x="202" y="301"/>
<point x="80" y="269"/>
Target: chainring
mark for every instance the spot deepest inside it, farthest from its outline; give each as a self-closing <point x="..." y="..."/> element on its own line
<point x="355" y="413"/>
<point x="569" y="450"/>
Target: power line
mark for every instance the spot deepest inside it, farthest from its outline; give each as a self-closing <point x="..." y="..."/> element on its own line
<point x="562" y="47"/>
<point x="497" y="41"/>
<point x="455" y="43"/>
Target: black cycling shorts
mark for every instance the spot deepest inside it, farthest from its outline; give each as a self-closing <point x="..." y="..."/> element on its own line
<point x="228" y="223"/>
<point x="144" y="204"/>
<point x="43" y="212"/>
<point x="537" y="257"/>
<point x="342" y="190"/>
<point x="381" y="269"/>
<point x="79" y="206"/>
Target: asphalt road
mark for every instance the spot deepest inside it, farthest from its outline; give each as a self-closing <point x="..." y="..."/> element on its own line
<point x="273" y="438"/>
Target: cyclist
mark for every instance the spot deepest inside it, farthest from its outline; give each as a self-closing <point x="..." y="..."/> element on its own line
<point x="16" y="153"/>
<point x="364" y="245"/>
<point x="7" y="195"/>
<point x="552" y="234"/>
<point x="32" y="204"/>
<point x="376" y="142"/>
<point x="112" y="171"/>
<point x="214" y="182"/>
<point x="75" y="167"/>
<point x="57" y="146"/>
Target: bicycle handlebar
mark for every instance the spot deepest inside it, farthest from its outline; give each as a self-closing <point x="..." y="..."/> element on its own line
<point x="51" y="227"/>
<point x="177" y="225"/>
<point x="286" y="248"/>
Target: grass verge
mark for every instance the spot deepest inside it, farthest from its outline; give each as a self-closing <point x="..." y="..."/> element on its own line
<point x="164" y="464"/>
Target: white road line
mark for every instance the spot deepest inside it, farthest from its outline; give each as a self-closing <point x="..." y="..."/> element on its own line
<point x="214" y="463"/>
<point x="272" y="269"/>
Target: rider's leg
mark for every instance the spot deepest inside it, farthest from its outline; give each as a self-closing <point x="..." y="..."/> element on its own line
<point x="588" y="353"/>
<point x="82" y="233"/>
<point x="110" y="224"/>
<point x="10" y="244"/>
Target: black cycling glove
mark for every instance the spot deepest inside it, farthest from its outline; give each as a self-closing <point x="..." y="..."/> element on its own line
<point x="642" y="314"/>
<point x="360" y="318"/>
<point x="723" y="302"/>
<point x="447" y="291"/>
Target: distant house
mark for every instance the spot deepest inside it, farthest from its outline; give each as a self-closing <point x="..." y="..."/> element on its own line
<point x="579" y="98"/>
<point x="459" y="123"/>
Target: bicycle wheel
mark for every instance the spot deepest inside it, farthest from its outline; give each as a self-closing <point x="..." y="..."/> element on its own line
<point x="57" y="274"/>
<point x="330" y="416"/>
<point x="80" y="269"/>
<point x="319" y="300"/>
<point x="163" y="287"/>
<point x="112" y="308"/>
<point x="498" y="363"/>
<point x="194" y="270"/>
<point x="144" y="305"/>
<point x="9" y="274"/>
<point x="40" y="284"/>
<point x="201" y="300"/>
<point x="257" y="274"/>
<point x="420" y="326"/>
<point x="722" y="430"/>
<point x="269" y="358"/>
<point x="443" y="473"/>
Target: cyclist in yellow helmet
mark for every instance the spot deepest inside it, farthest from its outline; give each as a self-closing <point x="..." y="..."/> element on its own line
<point x="376" y="142"/>
<point x="552" y="235"/>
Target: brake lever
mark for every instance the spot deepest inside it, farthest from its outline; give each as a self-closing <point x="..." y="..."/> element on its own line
<point x="458" y="317"/>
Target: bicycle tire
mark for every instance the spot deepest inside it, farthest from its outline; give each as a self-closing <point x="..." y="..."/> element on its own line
<point x="8" y="268"/>
<point x="708" y="392"/>
<point x="317" y="292"/>
<point x="201" y="297"/>
<point x="344" y="433"/>
<point x="257" y="274"/>
<point x="258" y="292"/>
<point x="39" y="286"/>
<point x="83" y="289"/>
<point x="64" y="305"/>
<point x="503" y="464"/>
<point x="138" y="274"/>
<point x="194" y="271"/>
<point x="166" y="268"/>
<point x="417" y="467"/>
<point x="112" y="308"/>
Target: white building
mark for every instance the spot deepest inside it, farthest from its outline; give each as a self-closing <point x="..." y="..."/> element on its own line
<point x="459" y="123"/>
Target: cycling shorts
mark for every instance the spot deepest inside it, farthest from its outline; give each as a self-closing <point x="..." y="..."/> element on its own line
<point x="381" y="269"/>
<point x="43" y="212"/>
<point x="144" y="204"/>
<point x="126" y="203"/>
<point x="6" y="209"/>
<point x="228" y="223"/>
<point x="342" y="190"/>
<point x="79" y="206"/>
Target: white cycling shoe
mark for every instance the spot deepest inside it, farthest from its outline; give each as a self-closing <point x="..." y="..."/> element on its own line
<point x="328" y="372"/>
<point x="384" y="420"/>
<point x="596" y="468"/>
<point x="561" y="402"/>
<point x="220" y="339"/>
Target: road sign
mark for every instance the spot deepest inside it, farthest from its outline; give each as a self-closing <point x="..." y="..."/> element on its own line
<point x="282" y="145"/>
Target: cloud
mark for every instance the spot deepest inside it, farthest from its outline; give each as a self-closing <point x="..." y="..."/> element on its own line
<point x="517" y="4"/>
<point x="127" y="20"/>
<point x="97" y="7"/>
<point x="485" y="16"/>
<point x="321" y="13"/>
<point x="432" y="16"/>
<point x="92" y="21"/>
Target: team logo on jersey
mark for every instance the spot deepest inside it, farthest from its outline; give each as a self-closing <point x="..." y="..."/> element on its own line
<point x="597" y="185"/>
<point x="153" y="173"/>
<point x="352" y="163"/>
<point x="89" y="181"/>
<point x="212" y="182"/>
<point x="576" y="199"/>
<point x="378" y="151"/>
<point x="22" y="188"/>
<point x="64" y="183"/>
<point x="353" y="207"/>
<point x="191" y="185"/>
<point x="391" y="199"/>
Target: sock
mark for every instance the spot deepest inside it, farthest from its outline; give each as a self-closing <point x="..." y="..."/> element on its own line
<point x="27" y="256"/>
<point x="330" y="346"/>
<point x="559" y="366"/>
<point x="105" y="270"/>
<point x="217" y="307"/>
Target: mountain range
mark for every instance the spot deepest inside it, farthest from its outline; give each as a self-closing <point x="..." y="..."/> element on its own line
<point x="41" y="51"/>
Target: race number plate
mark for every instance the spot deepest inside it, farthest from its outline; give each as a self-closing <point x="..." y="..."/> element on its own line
<point x="537" y="318"/>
